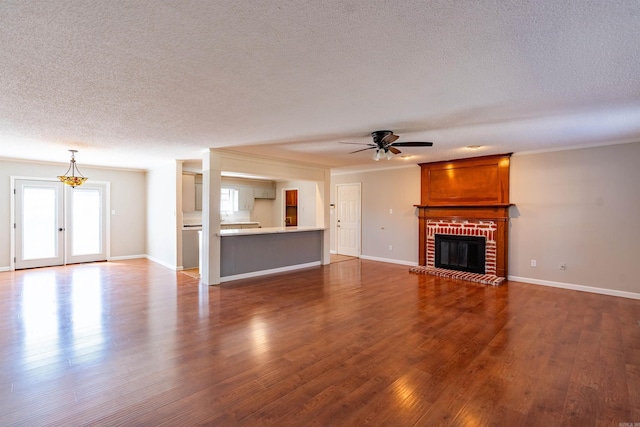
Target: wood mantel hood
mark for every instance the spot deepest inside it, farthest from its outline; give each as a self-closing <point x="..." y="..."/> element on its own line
<point x="495" y="205"/>
<point x="466" y="190"/>
<point x="479" y="181"/>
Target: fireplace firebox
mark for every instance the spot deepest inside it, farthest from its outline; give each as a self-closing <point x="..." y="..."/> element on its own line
<point x="461" y="253"/>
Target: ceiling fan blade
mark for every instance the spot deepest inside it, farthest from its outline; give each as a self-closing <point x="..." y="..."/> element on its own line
<point x="394" y="150"/>
<point x="389" y="139"/>
<point x="357" y="143"/>
<point x="412" y="144"/>
<point x="357" y="151"/>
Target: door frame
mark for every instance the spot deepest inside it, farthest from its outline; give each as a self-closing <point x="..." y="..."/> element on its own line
<point x="359" y="208"/>
<point x="12" y="215"/>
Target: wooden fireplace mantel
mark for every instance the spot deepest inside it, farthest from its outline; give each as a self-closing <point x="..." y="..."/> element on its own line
<point x="475" y="189"/>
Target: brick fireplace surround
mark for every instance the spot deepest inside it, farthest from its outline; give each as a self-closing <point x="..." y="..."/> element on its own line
<point x="467" y="197"/>
<point x="486" y="229"/>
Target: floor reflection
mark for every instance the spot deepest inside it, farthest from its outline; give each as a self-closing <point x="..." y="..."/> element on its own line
<point x="39" y="315"/>
<point x="87" y="313"/>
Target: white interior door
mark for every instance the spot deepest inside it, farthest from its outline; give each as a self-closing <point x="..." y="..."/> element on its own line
<point x="348" y="221"/>
<point x="57" y="224"/>
<point x="39" y="223"/>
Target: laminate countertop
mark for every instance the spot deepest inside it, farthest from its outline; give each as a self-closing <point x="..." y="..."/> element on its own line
<point x="266" y="230"/>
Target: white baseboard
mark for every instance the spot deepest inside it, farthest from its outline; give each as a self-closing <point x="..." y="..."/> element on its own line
<point x="5" y="268"/>
<point x="391" y="261"/>
<point x="162" y="263"/>
<point x="582" y="288"/>
<point x="125" y="257"/>
<point x="271" y="271"/>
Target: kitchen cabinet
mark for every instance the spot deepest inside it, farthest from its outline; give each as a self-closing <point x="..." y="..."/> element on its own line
<point x="291" y="208"/>
<point x="190" y="249"/>
<point x="198" y="187"/>
<point x="188" y="193"/>
<point x="245" y="199"/>
<point x="264" y="193"/>
<point x="291" y="197"/>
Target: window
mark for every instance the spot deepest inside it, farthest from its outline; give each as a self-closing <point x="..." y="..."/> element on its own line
<point x="228" y="199"/>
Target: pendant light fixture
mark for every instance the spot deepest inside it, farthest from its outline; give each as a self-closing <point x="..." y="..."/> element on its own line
<point x="73" y="180"/>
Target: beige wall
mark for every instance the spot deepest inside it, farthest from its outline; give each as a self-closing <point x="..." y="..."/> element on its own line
<point x="383" y="190"/>
<point x="580" y="207"/>
<point x="127" y="200"/>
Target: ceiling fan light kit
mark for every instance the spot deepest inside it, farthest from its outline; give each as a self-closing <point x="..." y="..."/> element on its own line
<point x="385" y="145"/>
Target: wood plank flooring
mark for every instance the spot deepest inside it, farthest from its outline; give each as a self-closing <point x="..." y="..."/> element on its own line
<point x="353" y="343"/>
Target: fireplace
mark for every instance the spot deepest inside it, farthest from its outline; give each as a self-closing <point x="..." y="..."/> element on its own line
<point x="480" y="234"/>
<point x="464" y="219"/>
<point x="461" y="253"/>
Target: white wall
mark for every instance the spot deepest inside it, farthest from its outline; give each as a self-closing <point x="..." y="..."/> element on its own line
<point x="127" y="199"/>
<point x="163" y="214"/>
<point x="581" y="207"/>
<point x="384" y="190"/>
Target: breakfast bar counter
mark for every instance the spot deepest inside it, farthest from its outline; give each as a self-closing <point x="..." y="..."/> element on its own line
<point x="256" y="251"/>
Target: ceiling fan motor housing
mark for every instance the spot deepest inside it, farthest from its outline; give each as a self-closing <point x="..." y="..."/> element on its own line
<point x="379" y="135"/>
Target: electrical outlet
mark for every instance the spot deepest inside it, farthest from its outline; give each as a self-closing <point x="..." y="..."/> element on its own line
<point x="390" y="211"/>
<point x="390" y="247"/>
<point x="563" y="266"/>
<point x="534" y="263"/>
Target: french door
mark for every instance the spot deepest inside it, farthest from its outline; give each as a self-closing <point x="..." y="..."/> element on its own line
<point x="57" y="224"/>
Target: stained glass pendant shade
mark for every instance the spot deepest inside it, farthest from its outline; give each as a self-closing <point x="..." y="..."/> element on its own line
<point x="76" y="178"/>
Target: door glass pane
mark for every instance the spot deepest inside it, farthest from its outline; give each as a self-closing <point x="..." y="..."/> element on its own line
<point x="86" y="221"/>
<point x="40" y="223"/>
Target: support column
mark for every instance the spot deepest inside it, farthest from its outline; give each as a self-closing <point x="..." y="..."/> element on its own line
<point x="211" y="184"/>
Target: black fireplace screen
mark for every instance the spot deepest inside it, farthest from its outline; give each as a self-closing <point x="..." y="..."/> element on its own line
<point x="462" y="253"/>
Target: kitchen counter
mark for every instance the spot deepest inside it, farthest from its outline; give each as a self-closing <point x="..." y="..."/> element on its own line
<point x="266" y="230"/>
<point x="225" y="225"/>
<point x="238" y="225"/>
<point x="252" y="252"/>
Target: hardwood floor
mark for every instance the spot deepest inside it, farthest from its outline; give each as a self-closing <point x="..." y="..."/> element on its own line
<point x="357" y="342"/>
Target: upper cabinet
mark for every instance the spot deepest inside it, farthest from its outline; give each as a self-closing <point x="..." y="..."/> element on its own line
<point x="291" y="197"/>
<point x="198" y="186"/>
<point x="188" y="193"/>
<point x="191" y="192"/>
<point x="245" y="199"/>
<point x="264" y="192"/>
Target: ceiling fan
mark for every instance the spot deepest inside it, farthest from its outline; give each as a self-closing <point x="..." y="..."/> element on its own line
<point x="385" y="145"/>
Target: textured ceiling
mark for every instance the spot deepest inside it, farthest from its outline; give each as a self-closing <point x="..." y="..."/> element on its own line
<point x="137" y="83"/>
